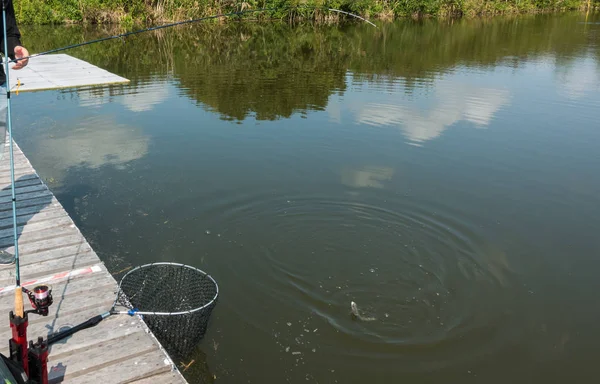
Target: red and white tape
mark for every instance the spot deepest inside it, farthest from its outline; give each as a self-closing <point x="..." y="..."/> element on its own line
<point x="58" y="276"/>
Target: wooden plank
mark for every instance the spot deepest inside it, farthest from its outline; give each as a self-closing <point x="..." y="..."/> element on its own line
<point x="19" y="163"/>
<point x="172" y="377"/>
<point x="18" y="159"/>
<point x="40" y="201"/>
<point x="67" y="288"/>
<point x="102" y="302"/>
<point x="84" y="338"/>
<point x="111" y="328"/>
<point x="74" y="291"/>
<point x="7" y="202"/>
<point x="37" y="84"/>
<point x="7" y="193"/>
<point x="39" y="269"/>
<point x="26" y="176"/>
<point x="23" y="199"/>
<point x="17" y="156"/>
<point x="37" y="236"/>
<point x="24" y="182"/>
<point x="19" y="168"/>
<point x="31" y="210"/>
<point x="111" y="331"/>
<point x="57" y="242"/>
<point x="61" y="253"/>
<point x="28" y="228"/>
<point x="57" y="254"/>
<point x="134" y="368"/>
<point x="38" y="225"/>
<point x="58" y="71"/>
<point x="20" y="174"/>
<point x="107" y="354"/>
<point x="42" y="326"/>
<point x="46" y="214"/>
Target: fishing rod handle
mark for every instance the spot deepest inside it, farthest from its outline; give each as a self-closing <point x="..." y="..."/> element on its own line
<point x="86" y="324"/>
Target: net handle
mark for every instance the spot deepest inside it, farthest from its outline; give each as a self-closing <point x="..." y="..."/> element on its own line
<point x="134" y="312"/>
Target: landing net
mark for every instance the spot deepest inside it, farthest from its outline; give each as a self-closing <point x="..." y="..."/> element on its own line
<point x="175" y="300"/>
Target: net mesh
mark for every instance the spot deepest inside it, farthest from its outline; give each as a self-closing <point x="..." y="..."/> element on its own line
<point x="180" y="297"/>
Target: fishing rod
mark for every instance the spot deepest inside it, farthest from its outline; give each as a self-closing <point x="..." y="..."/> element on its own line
<point x="174" y="24"/>
<point x="18" y="292"/>
<point x="20" y="352"/>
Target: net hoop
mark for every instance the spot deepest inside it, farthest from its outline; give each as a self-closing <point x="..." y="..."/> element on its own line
<point x="207" y="305"/>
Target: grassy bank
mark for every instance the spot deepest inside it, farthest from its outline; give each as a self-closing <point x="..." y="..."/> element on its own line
<point x="133" y="11"/>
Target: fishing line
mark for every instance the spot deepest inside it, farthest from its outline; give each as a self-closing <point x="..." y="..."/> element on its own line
<point x="127" y="34"/>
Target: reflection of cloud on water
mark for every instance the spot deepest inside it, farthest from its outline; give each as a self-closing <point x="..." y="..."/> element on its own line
<point x="367" y="176"/>
<point x="95" y="142"/>
<point x="453" y="103"/>
<point x="576" y="80"/>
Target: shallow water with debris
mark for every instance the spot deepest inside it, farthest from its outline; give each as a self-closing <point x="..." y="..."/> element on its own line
<point x="442" y="175"/>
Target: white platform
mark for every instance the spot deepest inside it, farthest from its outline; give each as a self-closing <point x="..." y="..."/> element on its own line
<point x="58" y="71"/>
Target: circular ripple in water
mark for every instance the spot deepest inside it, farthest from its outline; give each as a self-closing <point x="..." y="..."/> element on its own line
<point x="427" y="285"/>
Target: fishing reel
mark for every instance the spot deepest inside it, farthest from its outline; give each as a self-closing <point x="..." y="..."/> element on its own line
<point x="40" y="299"/>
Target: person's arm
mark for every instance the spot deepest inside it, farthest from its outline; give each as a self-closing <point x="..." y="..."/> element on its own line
<point x="13" y="37"/>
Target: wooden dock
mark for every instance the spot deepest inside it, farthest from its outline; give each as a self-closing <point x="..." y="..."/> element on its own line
<point x="58" y="71"/>
<point x="118" y="350"/>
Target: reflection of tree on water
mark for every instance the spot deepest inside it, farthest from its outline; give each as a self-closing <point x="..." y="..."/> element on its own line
<point x="275" y="70"/>
<point x="271" y="71"/>
<point x="576" y="80"/>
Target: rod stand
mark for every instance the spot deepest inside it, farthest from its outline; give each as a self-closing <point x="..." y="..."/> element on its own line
<point x="33" y="358"/>
<point x="18" y="342"/>
<point x="38" y="361"/>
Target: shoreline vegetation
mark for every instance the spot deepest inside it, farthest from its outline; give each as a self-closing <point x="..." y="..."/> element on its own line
<point x="128" y="12"/>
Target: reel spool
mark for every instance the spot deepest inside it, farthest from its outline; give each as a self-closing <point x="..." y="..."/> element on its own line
<point x="40" y="299"/>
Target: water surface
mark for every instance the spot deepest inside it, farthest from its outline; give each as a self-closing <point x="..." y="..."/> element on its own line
<point x="442" y="175"/>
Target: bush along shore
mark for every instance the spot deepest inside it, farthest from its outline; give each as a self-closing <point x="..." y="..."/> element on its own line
<point x="145" y="11"/>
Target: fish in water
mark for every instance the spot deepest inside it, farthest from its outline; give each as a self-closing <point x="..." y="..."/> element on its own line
<point x="356" y="313"/>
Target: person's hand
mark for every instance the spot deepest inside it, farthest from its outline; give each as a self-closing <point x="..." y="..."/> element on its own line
<point x="21" y="52"/>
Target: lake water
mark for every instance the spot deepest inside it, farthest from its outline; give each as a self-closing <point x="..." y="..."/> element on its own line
<point x="442" y="175"/>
